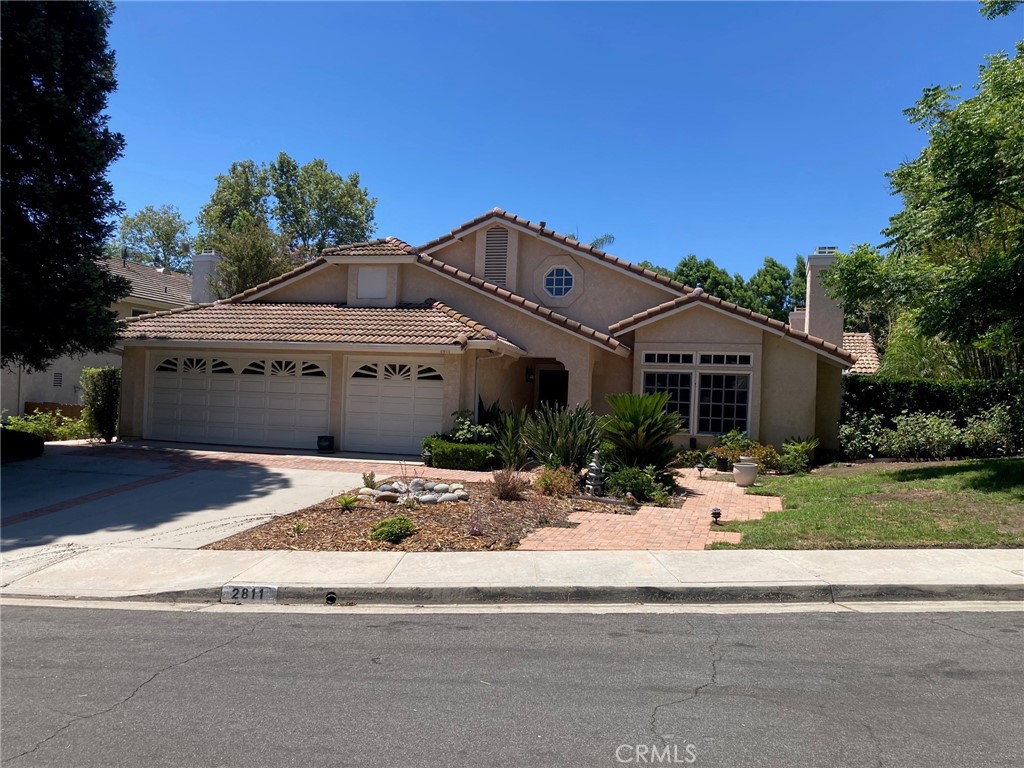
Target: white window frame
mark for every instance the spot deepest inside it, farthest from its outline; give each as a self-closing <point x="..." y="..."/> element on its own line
<point x="748" y="405"/>
<point x="571" y="282"/>
<point x="688" y="414"/>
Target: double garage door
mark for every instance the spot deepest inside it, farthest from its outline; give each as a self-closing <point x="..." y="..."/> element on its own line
<point x="281" y="401"/>
<point x="254" y="400"/>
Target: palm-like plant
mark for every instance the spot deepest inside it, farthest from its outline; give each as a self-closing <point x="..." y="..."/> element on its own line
<point x="641" y="429"/>
<point x="509" y="441"/>
<point x="563" y="437"/>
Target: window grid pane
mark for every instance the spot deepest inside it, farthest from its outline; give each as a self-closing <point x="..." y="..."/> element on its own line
<point x="677" y="385"/>
<point x="724" y="400"/>
<point x="558" y="281"/>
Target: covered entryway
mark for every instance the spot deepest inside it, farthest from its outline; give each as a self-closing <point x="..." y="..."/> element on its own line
<point x="391" y="405"/>
<point x="258" y="400"/>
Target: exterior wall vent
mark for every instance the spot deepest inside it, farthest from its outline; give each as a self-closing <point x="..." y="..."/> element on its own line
<point x="496" y="256"/>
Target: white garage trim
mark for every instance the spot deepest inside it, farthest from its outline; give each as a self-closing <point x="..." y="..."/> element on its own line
<point x="258" y="399"/>
<point x="392" y="403"/>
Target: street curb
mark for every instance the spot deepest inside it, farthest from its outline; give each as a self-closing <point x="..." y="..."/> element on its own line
<point x="444" y="595"/>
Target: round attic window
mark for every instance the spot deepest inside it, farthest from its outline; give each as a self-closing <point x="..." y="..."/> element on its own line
<point x="558" y="281"/>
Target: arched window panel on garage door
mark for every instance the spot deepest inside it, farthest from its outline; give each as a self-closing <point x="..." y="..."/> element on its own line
<point x="397" y="372"/>
<point x="255" y="368"/>
<point x="283" y="368"/>
<point x="368" y="371"/>
<point x="428" y="373"/>
<point x="221" y="367"/>
<point x="194" y="365"/>
<point x="167" y="365"/>
<point x="313" y="370"/>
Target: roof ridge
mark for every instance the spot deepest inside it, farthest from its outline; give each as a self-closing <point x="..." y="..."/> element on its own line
<point x="558" y="237"/>
<point x="736" y="309"/>
<point x="519" y="301"/>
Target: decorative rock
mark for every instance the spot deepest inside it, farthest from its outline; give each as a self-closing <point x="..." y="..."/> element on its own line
<point x="365" y="492"/>
<point x="389" y="496"/>
<point x="427" y="498"/>
<point x="448" y="497"/>
<point x="456" y="487"/>
<point x="399" y="486"/>
<point x="440" y="488"/>
<point x="417" y="484"/>
<point x="429" y="486"/>
<point x="386" y="487"/>
<point x="462" y="496"/>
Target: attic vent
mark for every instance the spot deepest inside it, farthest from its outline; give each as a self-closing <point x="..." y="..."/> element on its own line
<point x="58" y="379"/>
<point x="496" y="256"/>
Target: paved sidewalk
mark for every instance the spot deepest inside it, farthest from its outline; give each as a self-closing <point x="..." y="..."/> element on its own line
<point x="456" y="577"/>
<point x="657" y="528"/>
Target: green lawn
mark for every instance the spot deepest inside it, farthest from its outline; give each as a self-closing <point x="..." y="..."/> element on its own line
<point x="947" y="504"/>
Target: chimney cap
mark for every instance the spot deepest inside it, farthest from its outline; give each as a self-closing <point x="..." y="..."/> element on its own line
<point x="826" y="250"/>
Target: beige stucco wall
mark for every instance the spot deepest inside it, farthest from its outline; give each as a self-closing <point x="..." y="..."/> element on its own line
<point x="788" y="383"/>
<point x="602" y="295"/>
<point x="325" y="286"/>
<point x="826" y="413"/>
<point x="612" y="374"/>
<point x="133" y="399"/>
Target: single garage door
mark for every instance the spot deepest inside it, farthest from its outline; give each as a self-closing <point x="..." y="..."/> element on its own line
<point x="391" y="405"/>
<point x="259" y="400"/>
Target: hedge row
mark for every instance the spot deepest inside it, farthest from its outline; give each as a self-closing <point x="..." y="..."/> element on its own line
<point x="865" y="396"/>
<point x="469" y="456"/>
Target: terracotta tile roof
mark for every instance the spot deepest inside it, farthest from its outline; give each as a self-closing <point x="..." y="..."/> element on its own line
<point x="518" y="301"/>
<point x="430" y="323"/>
<point x="557" y="237"/>
<point x="385" y="246"/>
<point x="863" y="346"/>
<point x="150" y="284"/>
<point x="706" y="298"/>
<point x="300" y="270"/>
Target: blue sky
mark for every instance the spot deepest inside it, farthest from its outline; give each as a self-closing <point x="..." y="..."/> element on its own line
<point x="731" y="130"/>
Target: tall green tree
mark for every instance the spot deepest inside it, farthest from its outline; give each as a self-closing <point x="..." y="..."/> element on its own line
<point x="250" y="253"/>
<point x="798" y="286"/>
<point x="158" y="236"/>
<point x="244" y="189"/>
<point x="963" y="208"/>
<point x="768" y="290"/>
<point x="57" y="204"/>
<point x="712" y="278"/>
<point x="316" y="207"/>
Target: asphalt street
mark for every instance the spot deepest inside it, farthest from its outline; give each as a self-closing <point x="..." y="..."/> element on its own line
<point x="86" y="687"/>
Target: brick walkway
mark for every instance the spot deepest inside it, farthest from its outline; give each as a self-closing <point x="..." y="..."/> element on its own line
<point x="660" y="527"/>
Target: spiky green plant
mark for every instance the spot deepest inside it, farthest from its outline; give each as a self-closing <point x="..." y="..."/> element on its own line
<point x="563" y="437"/>
<point x="641" y="429"/>
<point x="509" y="442"/>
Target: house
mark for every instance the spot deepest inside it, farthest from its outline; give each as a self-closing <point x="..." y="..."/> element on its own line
<point x="378" y="343"/>
<point x="152" y="290"/>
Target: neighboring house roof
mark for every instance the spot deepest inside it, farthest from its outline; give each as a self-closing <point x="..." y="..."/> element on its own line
<point x="863" y="346"/>
<point x="532" y="307"/>
<point x="699" y="296"/>
<point x="385" y="246"/>
<point x="557" y="237"/>
<point x="152" y="284"/>
<point x="430" y="324"/>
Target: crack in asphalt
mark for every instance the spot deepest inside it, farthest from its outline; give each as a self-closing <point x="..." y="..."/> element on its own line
<point x="983" y="639"/>
<point x="713" y="680"/>
<point x="250" y="631"/>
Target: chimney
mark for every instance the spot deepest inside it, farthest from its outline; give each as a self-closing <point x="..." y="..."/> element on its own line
<point x="824" y="317"/>
<point x="204" y="269"/>
<point x="798" y="319"/>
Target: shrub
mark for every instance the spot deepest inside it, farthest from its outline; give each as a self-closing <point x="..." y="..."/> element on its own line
<point x="101" y="395"/>
<point x="797" y="454"/>
<point x="15" y="445"/>
<point x="641" y="429"/>
<point x="921" y="436"/>
<point x="695" y="457"/>
<point x="348" y="502"/>
<point x="51" y="425"/>
<point x="560" y="481"/>
<point x="392" y="529"/>
<point x="466" y="431"/>
<point x="766" y="457"/>
<point x="861" y="436"/>
<point x="449" y="455"/>
<point x="508" y="485"/>
<point x="369" y="480"/>
<point x="642" y="483"/>
<point x="735" y="442"/>
<point x="509" y="442"/>
<point x="563" y="437"/>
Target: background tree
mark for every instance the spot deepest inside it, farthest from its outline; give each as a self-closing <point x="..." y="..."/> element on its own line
<point x="767" y="291"/>
<point x="963" y="210"/>
<point x="158" y="236"/>
<point x="250" y="253"/>
<point x="798" y="285"/>
<point x="712" y="278"/>
<point x="57" y="204"/>
<point x="245" y="188"/>
<point x="316" y="207"/>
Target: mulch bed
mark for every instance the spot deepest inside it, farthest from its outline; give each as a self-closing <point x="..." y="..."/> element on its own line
<point x="439" y="527"/>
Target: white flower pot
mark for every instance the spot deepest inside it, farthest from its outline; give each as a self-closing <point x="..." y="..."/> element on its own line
<point x="744" y="473"/>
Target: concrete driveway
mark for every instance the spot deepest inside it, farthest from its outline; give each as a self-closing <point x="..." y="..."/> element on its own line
<point x="75" y="498"/>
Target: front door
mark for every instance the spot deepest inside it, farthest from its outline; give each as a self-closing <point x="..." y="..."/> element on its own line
<point x="552" y="387"/>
